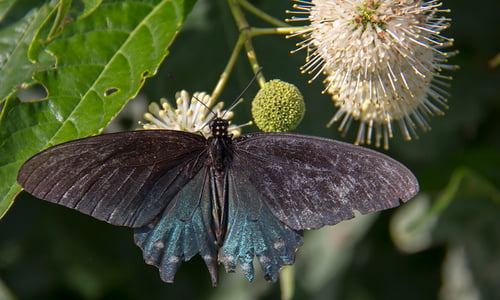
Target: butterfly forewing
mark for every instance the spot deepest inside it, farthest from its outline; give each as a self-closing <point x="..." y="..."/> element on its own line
<point x="309" y="182"/>
<point x="124" y="178"/>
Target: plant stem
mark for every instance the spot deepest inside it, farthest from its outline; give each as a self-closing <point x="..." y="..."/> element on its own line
<point x="245" y="31"/>
<point x="259" y="13"/>
<point x="245" y="38"/>
<point x="61" y="13"/>
<point x="275" y="30"/>
<point x="287" y="283"/>
<point x="228" y="69"/>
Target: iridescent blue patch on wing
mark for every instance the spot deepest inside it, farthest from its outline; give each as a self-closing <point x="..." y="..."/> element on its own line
<point x="182" y="231"/>
<point x="254" y="231"/>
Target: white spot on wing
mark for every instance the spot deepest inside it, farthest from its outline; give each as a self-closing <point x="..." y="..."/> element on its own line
<point x="159" y="245"/>
<point x="279" y="244"/>
<point x="174" y="259"/>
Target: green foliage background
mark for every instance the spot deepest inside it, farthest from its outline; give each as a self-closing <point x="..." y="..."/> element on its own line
<point x="50" y="252"/>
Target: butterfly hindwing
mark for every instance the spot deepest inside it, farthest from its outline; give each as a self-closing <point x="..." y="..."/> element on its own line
<point x="182" y="231"/>
<point x="124" y="178"/>
<point x="253" y="231"/>
<point x="309" y="182"/>
<point x="185" y="229"/>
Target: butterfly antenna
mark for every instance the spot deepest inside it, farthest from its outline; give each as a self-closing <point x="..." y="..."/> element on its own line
<point x="238" y="99"/>
<point x="203" y="103"/>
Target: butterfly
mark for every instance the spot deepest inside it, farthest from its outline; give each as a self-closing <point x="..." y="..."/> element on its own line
<point x="230" y="200"/>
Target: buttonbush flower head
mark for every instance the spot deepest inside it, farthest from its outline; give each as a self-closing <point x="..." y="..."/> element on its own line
<point x="190" y="115"/>
<point x="382" y="60"/>
<point x="278" y="107"/>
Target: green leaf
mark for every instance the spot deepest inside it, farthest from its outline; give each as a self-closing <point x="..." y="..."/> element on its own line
<point x="15" y="68"/>
<point x="89" y="6"/>
<point x="60" y="17"/>
<point x="61" y="14"/>
<point x="5" y="7"/>
<point x="54" y="23"/>
<point x="101" y="62"/>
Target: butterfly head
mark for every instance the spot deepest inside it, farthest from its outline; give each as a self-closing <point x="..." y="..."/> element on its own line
<point x="219" y="128"/>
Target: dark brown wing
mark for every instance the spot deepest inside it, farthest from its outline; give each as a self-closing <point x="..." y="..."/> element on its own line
<point x="308" y="182"/>
<point x="124" y="178"/>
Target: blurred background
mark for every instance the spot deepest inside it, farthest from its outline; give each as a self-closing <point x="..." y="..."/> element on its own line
<point x="444" y="244"/>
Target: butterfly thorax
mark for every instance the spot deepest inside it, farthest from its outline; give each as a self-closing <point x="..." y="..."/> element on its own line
<point x="219" y="127"/>
<point x="220" y="144"/>
<point x="220" y="153"/>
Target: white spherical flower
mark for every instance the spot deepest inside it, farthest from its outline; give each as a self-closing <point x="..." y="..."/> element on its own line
<point x="193" y="114"/>
<point x="382" y="61"/>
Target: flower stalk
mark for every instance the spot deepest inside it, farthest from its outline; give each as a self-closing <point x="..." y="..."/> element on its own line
<point x="246" y="33"/>
<point x="262" y="15"/>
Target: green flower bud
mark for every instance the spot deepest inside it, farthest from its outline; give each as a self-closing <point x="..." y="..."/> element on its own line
<point x="278" y="106"/>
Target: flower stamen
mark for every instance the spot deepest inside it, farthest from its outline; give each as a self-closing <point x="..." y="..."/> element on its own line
<point x="382" y="60"/>
<point x="192" y="114"/>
